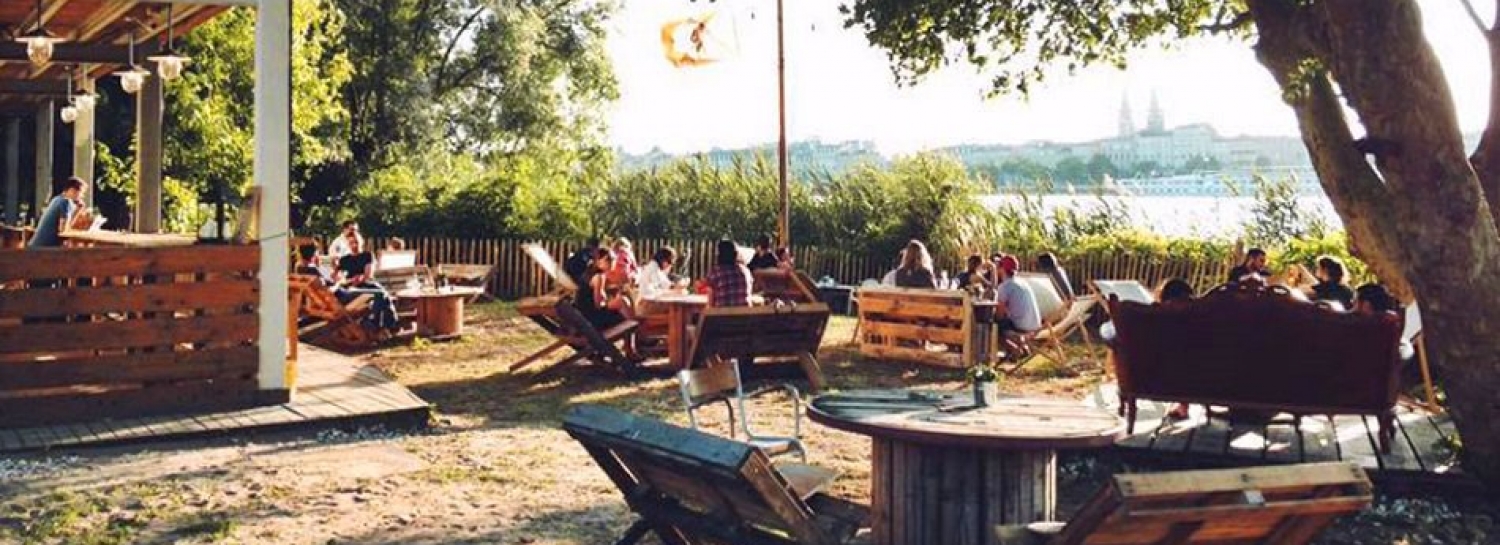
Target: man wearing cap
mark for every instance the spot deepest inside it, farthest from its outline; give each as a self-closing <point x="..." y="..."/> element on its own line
<point x="1018" y="304"/>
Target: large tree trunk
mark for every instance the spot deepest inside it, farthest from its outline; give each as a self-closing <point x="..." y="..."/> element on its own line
<point x="1419" y="217"/>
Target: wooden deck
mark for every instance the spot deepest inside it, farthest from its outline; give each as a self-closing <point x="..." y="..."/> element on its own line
<point x="333" y="392"/>
<point x="1417" y="455"/>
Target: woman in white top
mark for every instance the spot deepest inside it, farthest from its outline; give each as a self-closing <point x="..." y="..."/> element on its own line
<point x="656" y="278"/>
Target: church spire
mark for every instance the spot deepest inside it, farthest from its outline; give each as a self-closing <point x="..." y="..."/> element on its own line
<point x="1155" y="120"/>
<point x="1127" y="121"/>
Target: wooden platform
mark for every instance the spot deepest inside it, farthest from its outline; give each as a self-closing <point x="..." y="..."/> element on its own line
<point x="1417" y="455"/>
<point x="333" y="392"/>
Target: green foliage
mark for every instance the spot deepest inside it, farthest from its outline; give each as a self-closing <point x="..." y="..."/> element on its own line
<point x="1278" y="217"/>
<point x="1305" y="251"/>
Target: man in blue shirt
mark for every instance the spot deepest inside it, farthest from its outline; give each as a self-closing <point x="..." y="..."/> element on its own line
<point x="60" y="212"/>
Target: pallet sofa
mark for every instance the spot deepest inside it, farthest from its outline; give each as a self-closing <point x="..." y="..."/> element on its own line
<point x="1258" y="349"/>
<point x="898" y="323"/>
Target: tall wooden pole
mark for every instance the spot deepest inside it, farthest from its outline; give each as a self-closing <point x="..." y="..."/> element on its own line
<point x="784" y="222"/>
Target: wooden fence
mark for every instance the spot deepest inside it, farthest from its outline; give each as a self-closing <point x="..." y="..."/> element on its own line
<point x="90" y="333"/>
<point x="516" y="276"/>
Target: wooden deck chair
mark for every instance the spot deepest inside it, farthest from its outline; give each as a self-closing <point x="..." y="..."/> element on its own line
<point x="341" y="324"/>
<point x="1060" y="319"/>
<point x="556" y="314"/>
<point x="1279" y="505"/>
<point x="469" y="275"/>
<point x="767" y="332"/>
<point x="692" y="488"/>
<point x="1411" y="334"/>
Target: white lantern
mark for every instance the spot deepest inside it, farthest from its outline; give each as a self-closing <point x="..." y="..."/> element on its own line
<point x="69" y="114"/>
<point x="169" y="65"/>
<point x="133" y="79"/>
<point x="84" y="102"/>
<point x="38" y="47"/>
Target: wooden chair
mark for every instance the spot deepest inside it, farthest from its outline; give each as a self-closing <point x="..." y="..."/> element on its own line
<point x="1281" y="505"/>
<point x="474" y="276"/>
<point x="775" y="332"/>
<point x="692" y="488"/>
<point x="1061" y="318"/>
<point x="721" y="384"/>
<point x="342" y="324"/>
<point x="556" y="314"/>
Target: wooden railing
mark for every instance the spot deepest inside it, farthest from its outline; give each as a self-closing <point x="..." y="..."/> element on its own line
<point x="516" y="276"/>
<point x="88" y="333"/>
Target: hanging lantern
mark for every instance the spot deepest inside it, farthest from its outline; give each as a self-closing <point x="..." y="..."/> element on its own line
<point x="69" y="114"/>
<point x="38" y="42"/>
<point x="133" y="77"/>
<point x="168" y="63"/>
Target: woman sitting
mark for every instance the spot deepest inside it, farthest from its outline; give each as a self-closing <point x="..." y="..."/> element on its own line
<point x="599" y="307"/>
<point x="916" y="267"/>
<point x="656" y="277"/>
<point x="784" y="260"/>
<point x="729" y="281"/>
<point x="1332" y="286"/>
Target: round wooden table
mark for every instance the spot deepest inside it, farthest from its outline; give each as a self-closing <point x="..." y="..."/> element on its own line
<point x="440" y="311"/>
<point x="944" y="471"/>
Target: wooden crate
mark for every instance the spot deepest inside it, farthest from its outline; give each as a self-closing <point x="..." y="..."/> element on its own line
<point x="118" y="332"/>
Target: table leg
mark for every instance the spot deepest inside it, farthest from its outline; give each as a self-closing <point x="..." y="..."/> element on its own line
<point x="677" y="337"/>
<point x="923" y="494"/>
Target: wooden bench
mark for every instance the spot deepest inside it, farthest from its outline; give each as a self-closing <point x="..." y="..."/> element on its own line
<point x="780" y="285"/>
<point x="897" y="323"/>
<point x="1283" y="505"/>
<point x="1258" y="349"/>
<point x="690" y="487"/>
<point x="556" y="314"/>
<point x="339" y="323"/>
<point x="769" y="333"/>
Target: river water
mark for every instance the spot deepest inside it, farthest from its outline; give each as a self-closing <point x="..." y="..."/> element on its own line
<point x="1215" y="217"/>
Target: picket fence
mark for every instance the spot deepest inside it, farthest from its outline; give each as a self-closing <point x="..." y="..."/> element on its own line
<point x="516" y="276"/>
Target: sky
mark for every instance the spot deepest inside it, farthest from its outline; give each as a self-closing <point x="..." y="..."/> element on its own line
<point x="840" y="88"/>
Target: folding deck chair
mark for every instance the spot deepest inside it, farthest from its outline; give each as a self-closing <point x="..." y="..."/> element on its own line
<point x="1061" y="318"/>
<point x="1279" y="505"/>
<point x="555" y="313"/>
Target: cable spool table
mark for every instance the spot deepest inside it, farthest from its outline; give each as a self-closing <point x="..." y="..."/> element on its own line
<point x="945" y="471"/>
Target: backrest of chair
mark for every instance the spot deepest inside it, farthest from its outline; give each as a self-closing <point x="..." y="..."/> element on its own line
<point x="701" y="485"/>
<point x="1249" y="346"/>
<point x="778" y="284"/>
<point x="709" y="383"/>
<point x="464" y="271"/>
<point x="395" y="259"/>
<point x="760" y="331"/>
<point x="318" y="301"/>
<point x="550" y="266"/>
<point x="1413" y="324"/>
<point x="1125" y="290"/>
<point x="1048" y="300"/>
<point x="1280" y="504"/>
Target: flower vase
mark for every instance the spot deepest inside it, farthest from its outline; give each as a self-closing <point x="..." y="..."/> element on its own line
<point x="985" y="392"/>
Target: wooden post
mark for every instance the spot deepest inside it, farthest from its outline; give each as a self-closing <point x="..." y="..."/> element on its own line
<point x="272" y="171"/>
<point x="13" y="170"/>
<point x="784" y="226"/>
<point x="43" y="181"/>
<point x="148" y="156"/>
<point x="83" y="142"/>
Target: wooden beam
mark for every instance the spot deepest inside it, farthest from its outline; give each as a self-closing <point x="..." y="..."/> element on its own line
<point x="33" y="87"/>
<point x="68" y="52"/>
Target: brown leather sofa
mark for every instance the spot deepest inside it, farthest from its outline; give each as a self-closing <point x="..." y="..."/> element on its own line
<point x="1258" y="348"/>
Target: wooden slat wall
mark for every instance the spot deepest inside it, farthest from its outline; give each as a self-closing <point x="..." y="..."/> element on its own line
<point x="109" y="332"/>
<point x="516" y="276"/>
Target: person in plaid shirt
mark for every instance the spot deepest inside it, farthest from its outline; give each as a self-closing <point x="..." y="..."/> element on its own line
<point x="728" y="280"/>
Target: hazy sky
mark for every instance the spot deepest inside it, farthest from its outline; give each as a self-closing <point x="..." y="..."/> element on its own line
<point x="840" y="88"/>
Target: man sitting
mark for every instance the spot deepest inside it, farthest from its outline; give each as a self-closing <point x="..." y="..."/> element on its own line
<point x="1016" y="302"/>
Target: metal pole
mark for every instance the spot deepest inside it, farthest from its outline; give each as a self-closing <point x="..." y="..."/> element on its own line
<point x="784" y="221"/>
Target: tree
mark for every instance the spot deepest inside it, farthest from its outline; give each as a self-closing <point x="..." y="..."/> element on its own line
<point x="1423" y="215"/>
<point x="1071" y="169"/>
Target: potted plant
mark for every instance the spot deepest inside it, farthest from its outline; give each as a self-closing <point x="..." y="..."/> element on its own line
<point x="986" y="384"/>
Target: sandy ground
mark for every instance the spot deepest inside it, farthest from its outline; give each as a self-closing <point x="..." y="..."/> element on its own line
<point x="495" y="468"/>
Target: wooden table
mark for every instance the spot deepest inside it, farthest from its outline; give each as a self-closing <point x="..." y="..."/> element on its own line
<point x="440" y="311"/>
<point x="947" y="472"/>
<point x="133" y="240"/>
<point x="681" y="309"/>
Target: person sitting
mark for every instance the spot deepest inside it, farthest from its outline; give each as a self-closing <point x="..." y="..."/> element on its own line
<point x="395" y="244"/>
<point x="1017" y="303"/>
<point x="1047" y="263"/>
<point x="60" y="215"/>
<point x="355" y="275"/>
<point x="626" y="267"/>
<point x="656" y="277"/>
<point x="916" y="267"/>
<point x="601" y="309"/>
<point x="339" y="246"/>
<point x="976" y="276"/>
<point x="1331" y="284"/>
<point x="1174" y="290"/>
<point x="1372" y="298"/>
<point x="729" y="281"/>
<point x="1253" y="265"/>
<point x="784" y="260"/>
<point x="764" y="258"/>
<point x="889" y="279"/>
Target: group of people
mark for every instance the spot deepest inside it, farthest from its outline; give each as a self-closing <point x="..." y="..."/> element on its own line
<point x="614" y="287"/>
<point x="353" y="274"/>
<point x="1327" y="286"/>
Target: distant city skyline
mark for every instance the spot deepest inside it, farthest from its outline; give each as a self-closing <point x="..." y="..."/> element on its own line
<point x="840" y="89"/>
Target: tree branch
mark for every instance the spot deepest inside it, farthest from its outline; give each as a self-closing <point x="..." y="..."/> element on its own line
<point x="1240" y="21"/>
<point x="442" y="71"/>
<point x="1474" y="16"/>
